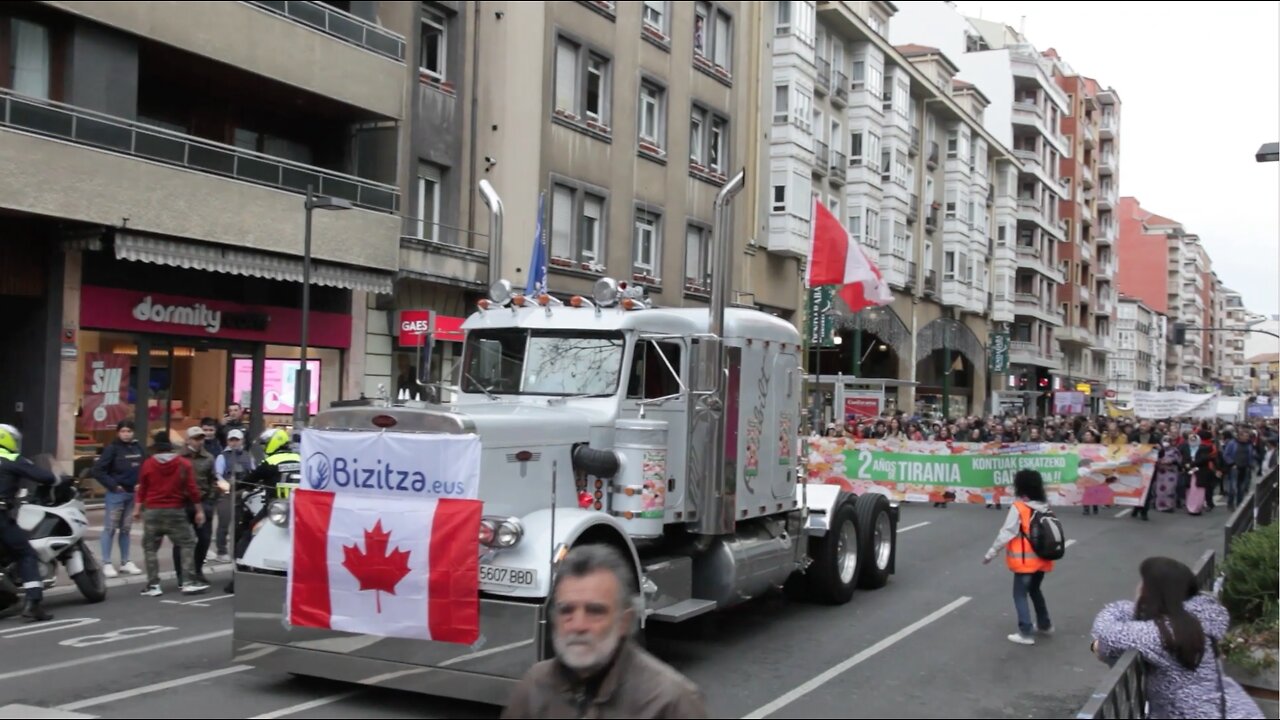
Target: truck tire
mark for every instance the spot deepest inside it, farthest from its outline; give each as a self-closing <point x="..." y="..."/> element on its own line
<point x="876" y="540"/>
<point x="836" y="561"/>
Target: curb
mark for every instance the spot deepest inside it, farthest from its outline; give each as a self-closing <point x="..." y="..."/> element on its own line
<point x="125" y="581"/>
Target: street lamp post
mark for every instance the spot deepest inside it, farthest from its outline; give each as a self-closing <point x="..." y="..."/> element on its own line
<point x="302" y="382"/>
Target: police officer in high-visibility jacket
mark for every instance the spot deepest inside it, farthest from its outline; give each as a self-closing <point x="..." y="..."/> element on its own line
<point x="280" y="464"/>
<point x="13" y="470"/>
<point x="1028" y="567"/>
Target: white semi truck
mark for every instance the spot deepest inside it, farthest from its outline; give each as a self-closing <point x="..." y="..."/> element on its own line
<point x="671" y="434"/>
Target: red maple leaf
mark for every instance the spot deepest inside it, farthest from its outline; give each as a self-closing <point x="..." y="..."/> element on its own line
<point x="375" y="568"/>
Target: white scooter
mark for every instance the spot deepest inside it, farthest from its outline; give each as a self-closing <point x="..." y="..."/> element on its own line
<point x="55" y="519"/>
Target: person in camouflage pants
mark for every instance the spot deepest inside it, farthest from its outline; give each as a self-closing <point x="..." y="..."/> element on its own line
<point x="166" y="487"/>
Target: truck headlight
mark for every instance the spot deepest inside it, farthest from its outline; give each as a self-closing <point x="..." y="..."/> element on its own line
<point x="278" y="512"/>
<point x="500" y="532"/>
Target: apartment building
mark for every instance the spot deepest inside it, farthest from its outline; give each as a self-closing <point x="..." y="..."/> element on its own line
<point x="1231" y="368"/>
<point x="1138" y="361"/>
<point x="1088" y="295"/>
<point x="1025" y="114"/>
<point x="1183" y="292"/>
<point x="1264" y="375"/>
<point x="157" y="165"/>
<point x="893" y="144"/>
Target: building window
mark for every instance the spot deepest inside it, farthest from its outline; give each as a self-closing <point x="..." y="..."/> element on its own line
<point x="577" y="224"/>
<point x="653" y="115"/>
<point x="31" y="58"/>
<point x="855" y="226"/>
<point x="855" y="148"/>
<point x="952" y="203"/>
<point x="712" y="35"/>
<point x="697" y="259"/>
<point x="783" y="24"/>
<point x="779" y="199"/>
<point x="655" y="15"/>
<point x="949" y="265"/>
<point x="781" y="104"/>
<point x="875" y="81"/>
<point x="902" y="98"/>
<point x="432" y="53"/>
<point x="873" y="229"/>
<point x="900" y="242"/>
<point x="582" y="84"/>
<point x="953" y="145"/>
<point x="709" y="140"/>
<point x="647" y="242"/>
<point x="859" y="78"/>
<point x="429" y="182"/>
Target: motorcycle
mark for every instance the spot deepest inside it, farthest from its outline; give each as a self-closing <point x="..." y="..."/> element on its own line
<point x="55" y="519"/>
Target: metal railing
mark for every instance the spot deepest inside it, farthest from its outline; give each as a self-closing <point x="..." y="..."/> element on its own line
<point x="841" y="83"/>
<point x="839" y="165"/>
<point x="824" y="74"/>
<point x="911" y="274"/>
<point x="339" y="24"/>
<point x="1258" y="508"/>
<point x="933" y="153"/>
<point x="94" y="129"/>
<point x="931" y="281"/>
<point x="822" y="156"/>
<point x="1123" y="690"/>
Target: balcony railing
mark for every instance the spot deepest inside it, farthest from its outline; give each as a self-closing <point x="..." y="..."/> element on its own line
<point x="839" y="166"/>
<point x="931" y="220"/>
<point x="339" y="24"/>
<point x="841" y="81"/>
<point x="824" y="75"/>
<point x="933" y="154"/>
<point x="915" y="141"/>
<point x="93" y="129"/>
<point x="915" y="207"/>
<point x="911" y="275"/>
<point x="931" y="281"/>
<point x="821" y="157"/>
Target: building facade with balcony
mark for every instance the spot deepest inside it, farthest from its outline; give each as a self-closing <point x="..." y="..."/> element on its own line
<point x="1138" y="360"/>
<point x="1025" y="114"/>
<point x="886" y="139"/>
<point x="157" y="166"/>
<point x="1088" y="295"/>
<point x="1229" y="353"/>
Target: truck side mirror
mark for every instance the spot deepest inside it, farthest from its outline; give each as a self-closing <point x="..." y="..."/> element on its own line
<point x="706" y="363"/>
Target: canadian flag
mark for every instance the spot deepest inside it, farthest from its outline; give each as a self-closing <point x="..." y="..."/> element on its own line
<point x="833" y="260"/>
<point x="402" y="569"/>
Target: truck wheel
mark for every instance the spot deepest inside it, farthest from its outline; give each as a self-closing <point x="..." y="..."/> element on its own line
<point x="836" y="561"/>
<point x="875" y="540"/>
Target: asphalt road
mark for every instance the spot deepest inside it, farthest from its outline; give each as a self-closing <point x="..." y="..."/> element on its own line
<point x="931" y="644"/>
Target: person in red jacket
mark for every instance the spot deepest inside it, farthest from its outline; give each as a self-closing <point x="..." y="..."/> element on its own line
<point x="166" y="487"/>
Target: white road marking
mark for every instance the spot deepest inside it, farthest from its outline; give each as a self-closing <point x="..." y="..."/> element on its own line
<point x="202" y="602"/>
<point x="1124" y="512"/>
<point x="253" y="653"/>
<point x="843" y="667"/>
<point x="1071" y="542"/>
<point x="112" y="655"/>
<point x="377" y="679"/>
<point x="913" y="527"/>
<point x="50" y="626"/>
<point x="30" y="711"/>
<point x="154" y="687"/>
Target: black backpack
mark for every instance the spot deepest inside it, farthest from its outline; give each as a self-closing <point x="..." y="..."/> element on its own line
<point x="1047" y="538"/>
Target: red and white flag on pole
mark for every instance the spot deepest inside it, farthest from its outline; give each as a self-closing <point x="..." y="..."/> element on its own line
<point x="364" y="565"/>
<point x="834" y="260"/>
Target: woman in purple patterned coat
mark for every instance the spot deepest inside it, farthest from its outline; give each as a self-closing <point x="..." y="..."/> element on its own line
<point x="1177" y="630"/>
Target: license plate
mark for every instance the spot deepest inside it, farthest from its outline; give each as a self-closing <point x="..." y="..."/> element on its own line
<point x="507" y="578"/>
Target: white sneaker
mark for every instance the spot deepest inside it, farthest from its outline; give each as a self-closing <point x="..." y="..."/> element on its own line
<point x="151" y="591"/>
<point x="130" y="569"/>
<point x="1021" y="639"/>
<point x="194" y="588"/>
<point x="224" y="558"/>
<point x="109" y="571"/>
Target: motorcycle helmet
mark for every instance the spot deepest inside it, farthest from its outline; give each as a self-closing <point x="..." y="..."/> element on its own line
<point x="274" y="440"/>
<point x="10" y="439"/>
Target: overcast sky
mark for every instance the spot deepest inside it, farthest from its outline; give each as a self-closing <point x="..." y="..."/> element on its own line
<point x="1199" y="86"/>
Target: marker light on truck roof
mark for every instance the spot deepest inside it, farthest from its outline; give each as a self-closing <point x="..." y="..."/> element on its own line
<point x="580" y="302"/>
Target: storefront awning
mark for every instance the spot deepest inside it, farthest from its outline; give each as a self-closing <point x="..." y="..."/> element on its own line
<point x="235" y="261"/>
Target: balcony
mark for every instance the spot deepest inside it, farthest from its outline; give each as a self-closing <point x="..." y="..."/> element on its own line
<point x="313" y="46"/>
<point x="914" y="213"/>
<point x="788" y="235"/>
<point x="824" y="76"/>
<point x="1029" y="353"/>
<point x="931" y="282"/>
<point x="1028" y="113"/>
<point x="821" y="158"/>
<point x="1085" y="294"/>
<point x="443" y="254"/>
<point x="341" y="25"/>
<point x="933" y="155"/>
<point x="1030" y="160"/>
<point x="931" y="220"/>
<point x="839" y="167"/>
<point x="1104" y="305"/>
<point x="912" y="269"/>
<point x="1109" y="126"/>
<point x="841" y="95"/>
<point x="177" y="185"/>
<point x="1086" y="174"/>
<point x="1086" y="251"/>
<point x="1107" y="197"/>
<point x="1107" y="164"/>
<point x="1043" y="309"/>
<point x="915" y="141"/>
<point x="1088" y="134"/>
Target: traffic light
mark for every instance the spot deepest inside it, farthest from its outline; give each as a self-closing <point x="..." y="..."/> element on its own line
<point x="1044" y="383"/>
<point x="1024" y="380"/>
<point x="1179" y="333"/>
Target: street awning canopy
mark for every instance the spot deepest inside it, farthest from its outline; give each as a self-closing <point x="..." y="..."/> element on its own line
<point x="139" y="247"/>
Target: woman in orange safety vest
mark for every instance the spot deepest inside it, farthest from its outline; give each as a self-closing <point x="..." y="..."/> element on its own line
<point x="1027" y="567"/>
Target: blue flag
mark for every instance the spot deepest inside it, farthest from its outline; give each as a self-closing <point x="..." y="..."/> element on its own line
<point x="538" y="263"/>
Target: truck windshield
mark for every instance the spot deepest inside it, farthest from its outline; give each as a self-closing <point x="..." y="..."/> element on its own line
<point x="542" y="362"/>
